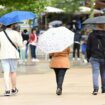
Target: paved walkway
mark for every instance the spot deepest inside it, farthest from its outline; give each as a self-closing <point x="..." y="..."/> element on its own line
<point x="37" y="87"/>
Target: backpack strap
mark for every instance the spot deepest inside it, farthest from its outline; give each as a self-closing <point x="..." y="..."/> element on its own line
<point x="9" y="39"/>
<point x="101" y="46"/>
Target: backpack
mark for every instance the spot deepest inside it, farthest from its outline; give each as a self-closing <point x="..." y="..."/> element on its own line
<point x="100" y="45"/>
<point x="100" y="36"/>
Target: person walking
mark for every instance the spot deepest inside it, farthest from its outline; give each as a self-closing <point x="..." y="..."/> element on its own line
<point x="83" y="50"/>
<point x="33" y="42"/>
<point x="76" y="46"/>
<point x="25" y="35"/>
<point x="96" y="55"/>
<point x="9" y="56"/>
<point x="23" y="53"/>
<point x="60" y="63"/>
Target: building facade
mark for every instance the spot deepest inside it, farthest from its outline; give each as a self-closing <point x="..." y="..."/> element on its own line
<point x="99" y="4"/>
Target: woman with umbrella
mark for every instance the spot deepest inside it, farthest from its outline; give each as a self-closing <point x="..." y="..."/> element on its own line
<point x="10" y="40"/>
<point x="9" y="56"/>
<point x="60" y="63"/>
<point x="57" y="41"/>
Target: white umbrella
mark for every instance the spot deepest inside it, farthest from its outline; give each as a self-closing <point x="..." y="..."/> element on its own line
<point x="53" y="10"/>
<point x="55" y="22"/>
<point x="87" y="10"/>
<point x="55" y="39"/>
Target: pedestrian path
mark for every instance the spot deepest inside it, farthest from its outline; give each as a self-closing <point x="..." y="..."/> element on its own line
<point x="39" y="88"/>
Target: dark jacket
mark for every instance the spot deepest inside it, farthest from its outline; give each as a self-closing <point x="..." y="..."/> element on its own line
<point x="94" y="49"/>
<point x="77" y="37"/>
<point x="25" y="36"/>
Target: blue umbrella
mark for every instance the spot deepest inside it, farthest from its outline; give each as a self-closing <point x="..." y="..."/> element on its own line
<point x="16" y="16"/>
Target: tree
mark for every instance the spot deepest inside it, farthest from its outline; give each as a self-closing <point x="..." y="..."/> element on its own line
<point x="92" y="8"/>
<point x="36" y="6"/>
<point x="70" y="6"/>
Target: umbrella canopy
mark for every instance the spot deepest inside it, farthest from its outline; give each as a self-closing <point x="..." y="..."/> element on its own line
<point x="16" y="16"/>
<point x="55" y="39"/>
<point x="53" y="10"/>
<point x="87" y="10"/>
<point x="55" y="22"/>
<point x="2" y="7"/>
<point x="95" y="20"/>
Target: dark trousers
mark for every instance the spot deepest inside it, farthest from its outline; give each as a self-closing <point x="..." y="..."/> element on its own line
<point x="60" y="73"/>
<point x="76" y="46"/>
<point x="33" y="49"/>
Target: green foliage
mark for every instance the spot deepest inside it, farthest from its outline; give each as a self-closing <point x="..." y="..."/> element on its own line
<point x="92" y="8"/>
<point x="36" y="6"/>
<point x="70" y="6"/>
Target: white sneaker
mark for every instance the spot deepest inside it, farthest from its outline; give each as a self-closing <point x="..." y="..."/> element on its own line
<point x="73" y="59"/>
<point x="85" y="61"/>
<point x="20" y="61"/>
<point x="78" y="59"/>
<point x="35" y="60"/>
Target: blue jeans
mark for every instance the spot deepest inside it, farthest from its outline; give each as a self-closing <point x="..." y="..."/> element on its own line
<point x="26" y="51"/>
<point x="98" y="67"/>
<point x="33" y="51"/>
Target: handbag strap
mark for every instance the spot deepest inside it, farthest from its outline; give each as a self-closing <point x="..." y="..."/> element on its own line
<point x="10" y="39"/>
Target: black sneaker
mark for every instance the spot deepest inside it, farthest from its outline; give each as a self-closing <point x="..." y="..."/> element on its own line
<point x="14" y="91"/>
<point x="7" y="93"/>
<point x="95" y="92"/>
<point x="59" y="91"/>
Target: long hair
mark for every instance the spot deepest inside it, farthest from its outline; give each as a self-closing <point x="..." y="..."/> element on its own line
<point x="33" y="30"/>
